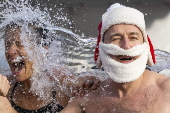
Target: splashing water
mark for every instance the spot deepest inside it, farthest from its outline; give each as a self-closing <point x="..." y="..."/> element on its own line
<point x="4" y="68"/>
<point x="64" y="46"/>
<point x="162" y="61"/>
<point x="63" y="43"/>
<point x="24" y="15"/>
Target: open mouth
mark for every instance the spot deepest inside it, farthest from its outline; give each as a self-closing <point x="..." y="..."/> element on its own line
<point x="17" y="65"/>
<point x="126" y="59"/>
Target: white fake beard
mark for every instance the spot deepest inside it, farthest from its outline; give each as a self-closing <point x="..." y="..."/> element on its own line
<point x="120" y="72"/>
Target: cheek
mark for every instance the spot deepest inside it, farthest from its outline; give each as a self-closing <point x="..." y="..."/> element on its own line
<point x="6" y="55"/>
<point x="29" y="64"/>
<point x="106" y="40"/>
<point x="117" y="42"/>
<point x="113" y="57"/>
<point x="141" y="40"/>
<point x="135" y="43"/>
<point x="29" y="68"/>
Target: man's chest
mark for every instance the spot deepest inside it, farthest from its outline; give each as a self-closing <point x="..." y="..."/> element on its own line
<point x="136" y="104"/>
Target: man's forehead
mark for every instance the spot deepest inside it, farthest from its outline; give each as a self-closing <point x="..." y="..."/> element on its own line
<point x="131" y="29"/>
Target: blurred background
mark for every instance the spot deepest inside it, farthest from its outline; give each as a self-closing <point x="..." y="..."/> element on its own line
<point x="85" y="16"/>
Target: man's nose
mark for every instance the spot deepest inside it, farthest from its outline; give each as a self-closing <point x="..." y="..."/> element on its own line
<point x="125" y="44"/>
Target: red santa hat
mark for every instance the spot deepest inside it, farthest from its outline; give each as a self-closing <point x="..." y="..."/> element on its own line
<point x="118" y="14"/>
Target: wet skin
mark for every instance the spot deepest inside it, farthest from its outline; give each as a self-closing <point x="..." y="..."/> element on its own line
<point x="124" y="36"/>
<point x="150" y="93"/>
<point x="17" y="56"/>
<point x="22" y="69"/>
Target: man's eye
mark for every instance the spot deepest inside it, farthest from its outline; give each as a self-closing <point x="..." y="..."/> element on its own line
<point x="134" y="38"/>
<point x="115" y="39"/>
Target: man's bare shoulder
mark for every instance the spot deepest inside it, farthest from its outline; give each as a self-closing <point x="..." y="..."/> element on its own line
<point x="162" y="81"/>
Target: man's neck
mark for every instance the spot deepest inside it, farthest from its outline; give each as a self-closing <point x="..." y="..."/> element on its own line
<point x="127" y="89"/>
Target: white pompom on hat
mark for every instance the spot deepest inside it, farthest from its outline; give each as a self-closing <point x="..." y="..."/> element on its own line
<point x="120" y="14"/>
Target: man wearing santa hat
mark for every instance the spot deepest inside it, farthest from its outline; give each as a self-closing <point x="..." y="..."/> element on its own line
<point x="124" y="50"/>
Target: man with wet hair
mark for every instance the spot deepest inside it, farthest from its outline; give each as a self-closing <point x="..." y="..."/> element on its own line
<point x="124" y="52"/>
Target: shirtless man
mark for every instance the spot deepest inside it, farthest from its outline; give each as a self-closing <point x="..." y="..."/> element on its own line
<point x="124" y="51"/>
<point x="5" y="106"/>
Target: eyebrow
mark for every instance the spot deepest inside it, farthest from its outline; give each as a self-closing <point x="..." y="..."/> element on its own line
<point x="130" y="33"/>
<point x="116" y="34"/>
<point x="133" y="33"/>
